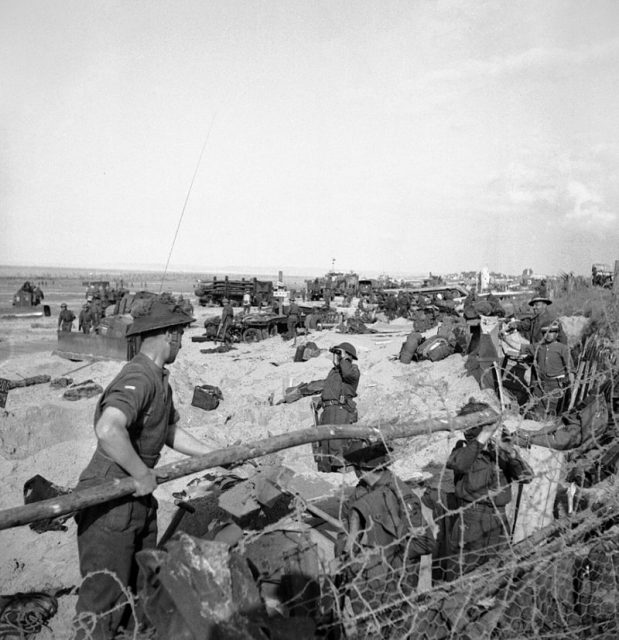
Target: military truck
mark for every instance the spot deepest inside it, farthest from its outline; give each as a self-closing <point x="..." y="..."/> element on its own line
<point x="335" y="283"/>
<point x="215" y="290"/>
<point x="601" y="275"/>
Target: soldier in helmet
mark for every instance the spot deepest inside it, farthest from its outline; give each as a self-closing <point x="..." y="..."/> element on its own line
<point x="338" y="406"/>
<point x="65" y="318"/>
<point x="86" y="319"/>
<point x="484" y="467"/>
<point x="385" y="535"/>
<point x="134" y="418"/>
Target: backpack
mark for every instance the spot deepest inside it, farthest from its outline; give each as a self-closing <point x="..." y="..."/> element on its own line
<point x="206" y="397"/>
<point x="434" y="348"/>
<point x="407" y="352"/>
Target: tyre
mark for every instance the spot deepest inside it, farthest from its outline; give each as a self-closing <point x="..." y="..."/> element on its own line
<point x="264" y="333"/>
<point x="252" y="334"/>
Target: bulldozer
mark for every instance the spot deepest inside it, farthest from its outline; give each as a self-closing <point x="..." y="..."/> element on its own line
<point x="109" y="341"/>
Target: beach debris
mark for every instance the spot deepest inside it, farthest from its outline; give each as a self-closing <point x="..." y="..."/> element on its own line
<point x="24" y="615"/>
<point x="86" y="389"/>
<point x="26" y="382"/>
<point x="40" y="488"/>
<point x="61" y="383"/>
<point x="6" y="385"/>
<point x="223" y="348"/>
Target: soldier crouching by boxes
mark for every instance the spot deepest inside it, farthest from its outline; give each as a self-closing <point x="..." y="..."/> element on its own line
<point x="484" y="468"/>
<point x="386" y="535"/>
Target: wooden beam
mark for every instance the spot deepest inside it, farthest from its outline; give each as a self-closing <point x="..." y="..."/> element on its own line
<point x="119" y="488"/>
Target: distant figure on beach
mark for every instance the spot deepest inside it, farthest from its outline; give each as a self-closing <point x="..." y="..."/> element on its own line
<point x="292" y="321"/>
<point x="86" y="319"/>
<point x="227" y="317"/>
<point x="246" y="303"/>
<point x="65" y="318"/>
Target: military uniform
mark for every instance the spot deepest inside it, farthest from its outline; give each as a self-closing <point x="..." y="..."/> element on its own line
<point x="86" y="320"/>
<point x="65" y="320"/>
<point x="552" y="369"/>
<point x="227" y="317"/>
<point x="338" y="408"/>
<point x="293" y="320"/>
<point x="383" y="567"/>
<point x="482" y="476"/>
<point x="109" y="535"/>
<point x="531" y="328"/>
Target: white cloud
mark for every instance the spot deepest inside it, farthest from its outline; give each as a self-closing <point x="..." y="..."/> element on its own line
<point x="587" y="207"/>
<point x="536" y="59"/>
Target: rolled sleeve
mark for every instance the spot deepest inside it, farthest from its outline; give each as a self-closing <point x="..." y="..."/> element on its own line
<point x="129" y="395"/>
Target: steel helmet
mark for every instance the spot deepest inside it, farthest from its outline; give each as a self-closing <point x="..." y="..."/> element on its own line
<point x="159" y="316"/>
<point x="347" y="347"/>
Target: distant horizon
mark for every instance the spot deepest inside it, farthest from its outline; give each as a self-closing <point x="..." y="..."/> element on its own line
<point x="237" y="270"/>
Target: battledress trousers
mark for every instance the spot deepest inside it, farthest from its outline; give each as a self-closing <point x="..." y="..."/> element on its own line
<point x="109" y="535"/>
<point x="338" y="408"/>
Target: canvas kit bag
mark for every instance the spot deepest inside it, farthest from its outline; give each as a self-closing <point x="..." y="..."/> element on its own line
<point x="206" y="396"/>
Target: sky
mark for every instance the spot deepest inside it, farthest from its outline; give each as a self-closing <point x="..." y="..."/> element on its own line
<point x="375" y="136"/>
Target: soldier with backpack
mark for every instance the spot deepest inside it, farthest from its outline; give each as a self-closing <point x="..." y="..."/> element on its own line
<point x="386" y="535"/>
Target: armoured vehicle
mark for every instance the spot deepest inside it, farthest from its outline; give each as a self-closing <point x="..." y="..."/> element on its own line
<point x="26" y="303"/>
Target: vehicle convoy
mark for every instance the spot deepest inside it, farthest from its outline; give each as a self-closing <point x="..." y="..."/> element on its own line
<point x="601" y="275"/>
<point x="215" y="290"/>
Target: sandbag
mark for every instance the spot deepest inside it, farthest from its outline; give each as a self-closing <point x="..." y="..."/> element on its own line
<point x="206" y="397"/>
